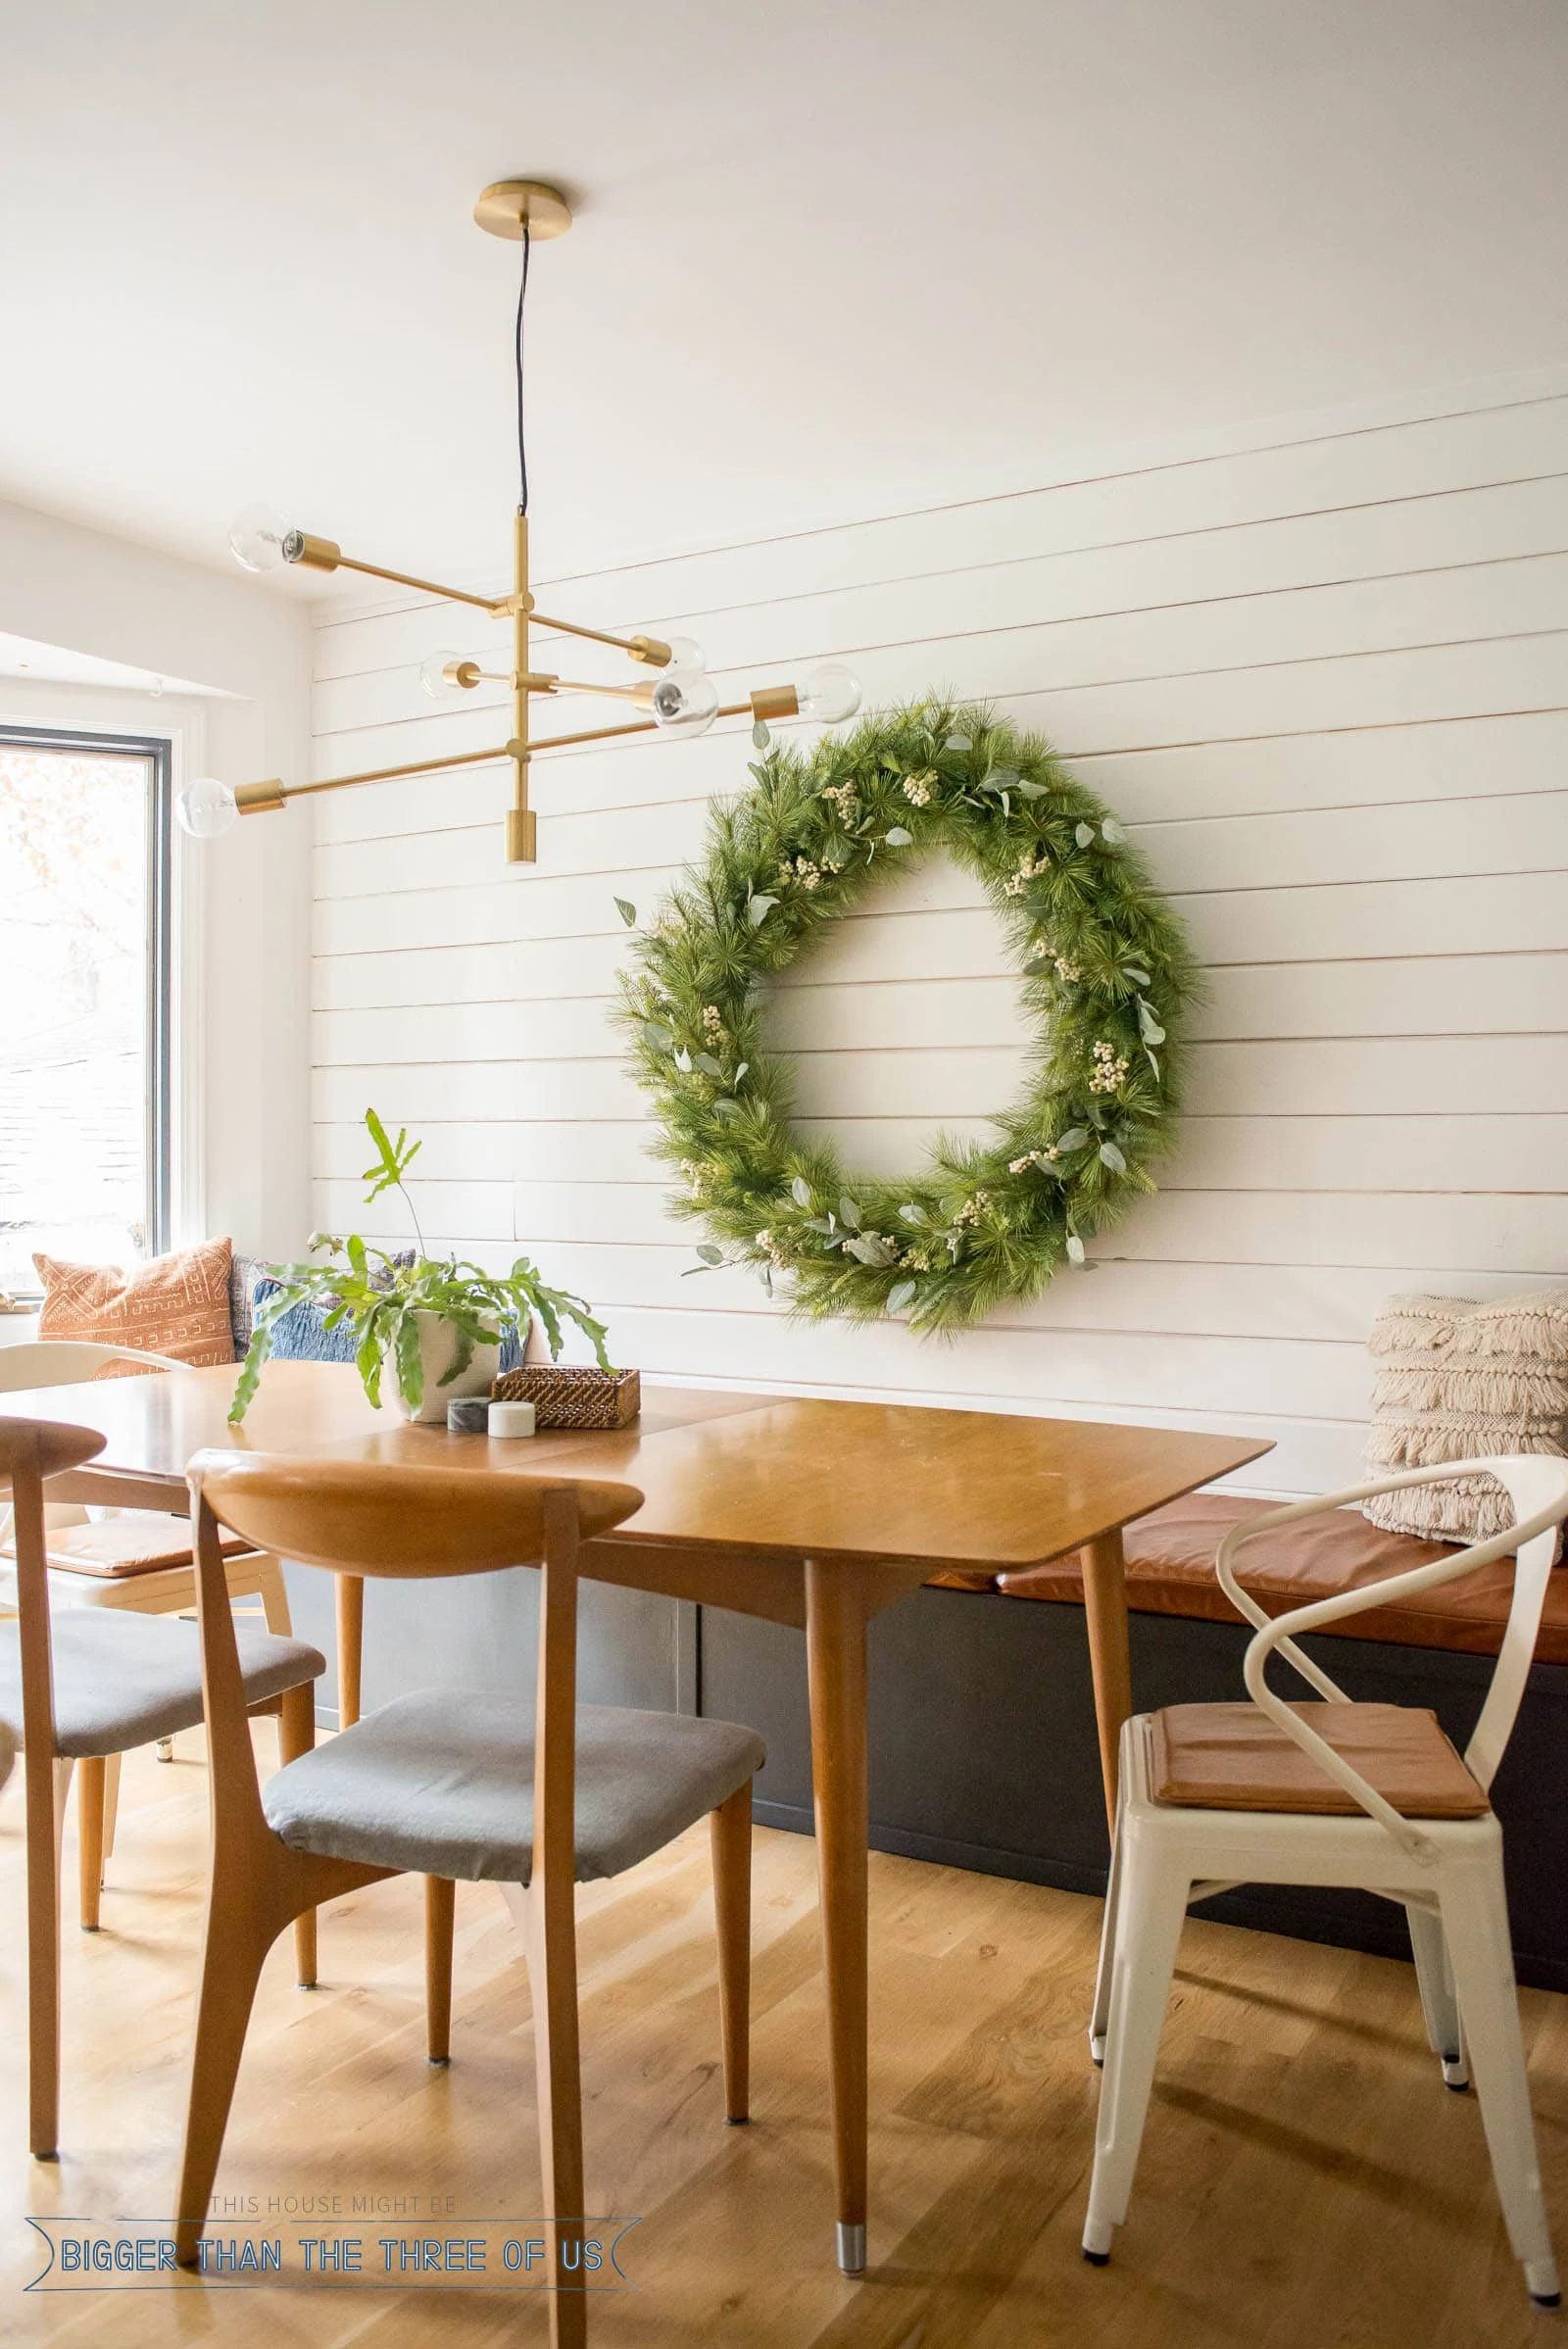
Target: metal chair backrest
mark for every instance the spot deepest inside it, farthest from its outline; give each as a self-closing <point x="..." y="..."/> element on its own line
<point x="380" y="1518"/>
<point x="1537" y="1486"/>
<point x="63" y="1361"/>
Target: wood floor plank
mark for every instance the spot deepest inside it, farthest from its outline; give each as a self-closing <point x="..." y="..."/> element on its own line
<point x="1307" y="2183"/>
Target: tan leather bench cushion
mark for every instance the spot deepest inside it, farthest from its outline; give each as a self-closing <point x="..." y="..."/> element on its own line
<point x="1171" y="1570"/>
<point x="1231" y="1757"/>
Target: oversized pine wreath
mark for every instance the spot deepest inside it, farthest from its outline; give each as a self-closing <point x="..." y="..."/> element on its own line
<point x="1106" y="969"/>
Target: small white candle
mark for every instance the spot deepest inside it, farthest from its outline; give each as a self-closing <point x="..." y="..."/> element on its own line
<point x="512" y="1419"/>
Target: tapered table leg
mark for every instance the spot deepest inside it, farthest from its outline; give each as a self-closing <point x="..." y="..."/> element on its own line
<point x="1111" y="1661"/>
<point x="835" y="1645"/>
<point x="350" y="1642"/>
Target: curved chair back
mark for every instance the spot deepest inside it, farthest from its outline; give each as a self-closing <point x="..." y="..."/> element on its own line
<point x="63" y="1361"/>
<point x="1537" y="1486"/>
<point x="387" y="1517"/>
<point x="31" y="1450"/>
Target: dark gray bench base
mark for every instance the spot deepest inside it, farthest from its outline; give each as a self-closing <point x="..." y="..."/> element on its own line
<point x="983" y="1752"/>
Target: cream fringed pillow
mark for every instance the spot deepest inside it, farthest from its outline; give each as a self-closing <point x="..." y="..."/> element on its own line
<point x="1456" y="1379"/>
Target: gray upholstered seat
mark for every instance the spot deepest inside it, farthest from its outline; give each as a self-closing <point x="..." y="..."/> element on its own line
<point x="123" y="1680"/>
<point x="441" y="1784"/>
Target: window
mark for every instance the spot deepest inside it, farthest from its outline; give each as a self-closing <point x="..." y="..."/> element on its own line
<point x="84" y="985"/>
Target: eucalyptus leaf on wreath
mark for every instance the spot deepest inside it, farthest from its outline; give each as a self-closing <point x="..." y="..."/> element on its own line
<point x="380" y="1300"/>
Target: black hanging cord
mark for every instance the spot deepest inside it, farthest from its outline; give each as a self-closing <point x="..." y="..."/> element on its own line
<point x="522" y="447"/>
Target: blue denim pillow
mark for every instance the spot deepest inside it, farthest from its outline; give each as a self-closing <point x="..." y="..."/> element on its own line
<point x="301" y="1334"/>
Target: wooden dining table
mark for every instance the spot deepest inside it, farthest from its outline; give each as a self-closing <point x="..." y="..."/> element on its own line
<point x="813" y="1513"/>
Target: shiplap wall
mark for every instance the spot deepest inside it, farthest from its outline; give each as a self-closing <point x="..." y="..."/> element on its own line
<point x="1324" y="683"/>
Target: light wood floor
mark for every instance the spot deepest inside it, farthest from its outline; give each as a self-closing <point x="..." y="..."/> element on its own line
<point x="1306" y="2182"/>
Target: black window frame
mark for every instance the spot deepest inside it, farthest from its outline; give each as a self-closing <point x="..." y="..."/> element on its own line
<point x="157" y="753"/>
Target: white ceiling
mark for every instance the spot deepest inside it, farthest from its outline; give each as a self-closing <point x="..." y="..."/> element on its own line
<point x="830" y="257"/>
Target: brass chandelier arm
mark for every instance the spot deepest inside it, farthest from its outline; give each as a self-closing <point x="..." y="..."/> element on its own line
<point x="279" y="791"/>
<point x="650" y="650"/>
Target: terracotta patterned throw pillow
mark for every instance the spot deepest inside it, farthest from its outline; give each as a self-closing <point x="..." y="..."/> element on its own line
<point x="176" y="1305"/>
<point x="1457" y="1380"/>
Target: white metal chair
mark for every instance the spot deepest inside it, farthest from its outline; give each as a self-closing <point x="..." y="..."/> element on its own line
<point x="1270" y="1793"/>
<point x="139" y="1559"/>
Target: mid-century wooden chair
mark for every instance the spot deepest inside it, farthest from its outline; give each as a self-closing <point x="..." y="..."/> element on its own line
<point x="1334" y="1793"/>
<point x="134" y="1559"/>
<point x="82" y="1685"/>
<point x="443" y="1784"/>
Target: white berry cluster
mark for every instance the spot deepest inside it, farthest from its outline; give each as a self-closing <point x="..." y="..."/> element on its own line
<point x="917" y="788"/>
<point x="1049" y="1156"/>
<point x="801" y="870"/>
<point x="712" y="1020"/>
<point x="974" y="1206"/>
<point x="1030" y="867"/>
<point x="1109" y="1069"/>
<point x="842" y="796"/>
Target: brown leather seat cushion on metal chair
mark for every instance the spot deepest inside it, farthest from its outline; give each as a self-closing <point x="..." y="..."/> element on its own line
<point x="137" y="1541"/>
<point x="1171" y="1570"/>
<point x="1231" y="1757"/>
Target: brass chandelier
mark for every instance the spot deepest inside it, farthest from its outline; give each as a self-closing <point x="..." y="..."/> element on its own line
<point x="681" y="699"/>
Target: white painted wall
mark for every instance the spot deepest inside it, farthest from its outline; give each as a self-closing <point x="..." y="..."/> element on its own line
<point x="247" y="908"/>
<point x="1322" y="677"/>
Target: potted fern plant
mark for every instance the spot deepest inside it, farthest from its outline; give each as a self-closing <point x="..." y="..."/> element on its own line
<point x="424" y="1328"/>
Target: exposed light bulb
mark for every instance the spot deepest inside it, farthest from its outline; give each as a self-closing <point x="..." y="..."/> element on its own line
<point x="258" y="538"/>
<point x="685" y="653"/>
<point x="206" y="809"/>
<point x="444" y="674"/>
<point x="829" y="695"/>
<point x="685" y="701"/>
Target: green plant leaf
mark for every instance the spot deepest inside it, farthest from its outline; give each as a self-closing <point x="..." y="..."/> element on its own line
<point x="1137" y="973"/>
<point x="899" y="837"/>
<point x="727" y="1107"/>
<point x="1030" y="790"/>
<point x="761" y="736"/>
<point x="1112" y="832"/>
<point x="708" y="1065"/>
<point x="957" y="742"/>
<point x="1075" y="1249"/>
<point x="658" y="1035"/>
<point x="1038" y="965"/>
<point x="901" y="1293"/>
<point x="1111" y="1155"/>
<point x="757" y="909"/>
<point x="1082" y="834"/>
<point x="912" y="1212"/>
<point x="740" y="1070"/>
<point x="683" y="1060"/>
<point x="1148" y="1027"/>
<point x="1073" y="1140"/>
<point x="710" y="1255"/>
<point x="849" y="1214"/>
<point x="627" y="911"/>
<point x="800" y="1192"/>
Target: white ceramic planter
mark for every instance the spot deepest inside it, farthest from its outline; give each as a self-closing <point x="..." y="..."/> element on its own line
<point x="438" y="1347"/>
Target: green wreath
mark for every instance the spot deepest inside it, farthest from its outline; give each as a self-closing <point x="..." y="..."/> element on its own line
<point x="1106" y="971"/>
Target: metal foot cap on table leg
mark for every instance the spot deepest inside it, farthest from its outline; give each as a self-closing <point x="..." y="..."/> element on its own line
<point x="1541" y="2282"/>
<point x="1455" y="2074"/>
<point x="1096" y="2049"/>
<point x="1096" y="2242"/>
<point x="851" y="2249"/>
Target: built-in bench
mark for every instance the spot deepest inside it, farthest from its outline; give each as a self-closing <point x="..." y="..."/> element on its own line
<point x="983" y="1749"/>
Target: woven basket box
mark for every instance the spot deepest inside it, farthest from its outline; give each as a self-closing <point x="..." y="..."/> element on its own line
<point x="569" y="1394"/>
